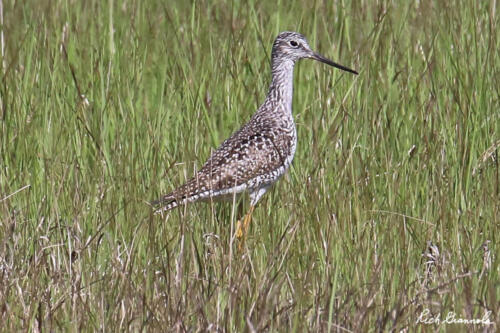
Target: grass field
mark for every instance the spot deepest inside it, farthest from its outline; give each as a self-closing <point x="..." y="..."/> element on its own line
<point x="389" y="216"/>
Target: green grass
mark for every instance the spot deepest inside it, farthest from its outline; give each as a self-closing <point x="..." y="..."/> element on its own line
<point x="401" y="156"/>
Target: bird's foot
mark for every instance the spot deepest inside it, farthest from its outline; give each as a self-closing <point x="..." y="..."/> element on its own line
<point x="242" y="228"/>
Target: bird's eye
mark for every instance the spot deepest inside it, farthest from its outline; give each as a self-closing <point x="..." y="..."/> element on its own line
<point x="294" y="43"/>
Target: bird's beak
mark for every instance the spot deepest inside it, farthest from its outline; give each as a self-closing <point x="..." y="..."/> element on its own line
<point x="319" y="57"/>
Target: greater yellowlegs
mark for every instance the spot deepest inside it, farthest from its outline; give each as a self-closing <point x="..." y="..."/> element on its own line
<point x="260" y="152"/>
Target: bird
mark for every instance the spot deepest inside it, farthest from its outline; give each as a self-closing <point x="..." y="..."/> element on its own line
<point x="254" y="157"/>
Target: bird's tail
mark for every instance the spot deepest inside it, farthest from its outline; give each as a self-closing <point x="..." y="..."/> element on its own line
<point x="165" y="203"/>
<point x="180" y="196"/>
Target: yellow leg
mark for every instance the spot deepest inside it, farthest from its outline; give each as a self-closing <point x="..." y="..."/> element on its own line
<point x="242" y="227"/>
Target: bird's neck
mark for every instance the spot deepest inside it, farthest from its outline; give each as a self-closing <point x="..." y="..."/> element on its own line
<point x="281" y="88"/>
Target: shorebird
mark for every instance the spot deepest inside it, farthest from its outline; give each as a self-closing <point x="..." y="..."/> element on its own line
<point x="260" y="152"/>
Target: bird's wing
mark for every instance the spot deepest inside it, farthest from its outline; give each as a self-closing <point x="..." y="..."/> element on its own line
<point x="247" y="154"/>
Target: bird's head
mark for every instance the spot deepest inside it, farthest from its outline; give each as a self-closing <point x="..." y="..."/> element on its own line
<point x="294" y="46"/>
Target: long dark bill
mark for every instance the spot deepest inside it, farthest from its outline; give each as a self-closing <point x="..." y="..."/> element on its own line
<point x="327" y="61"/>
